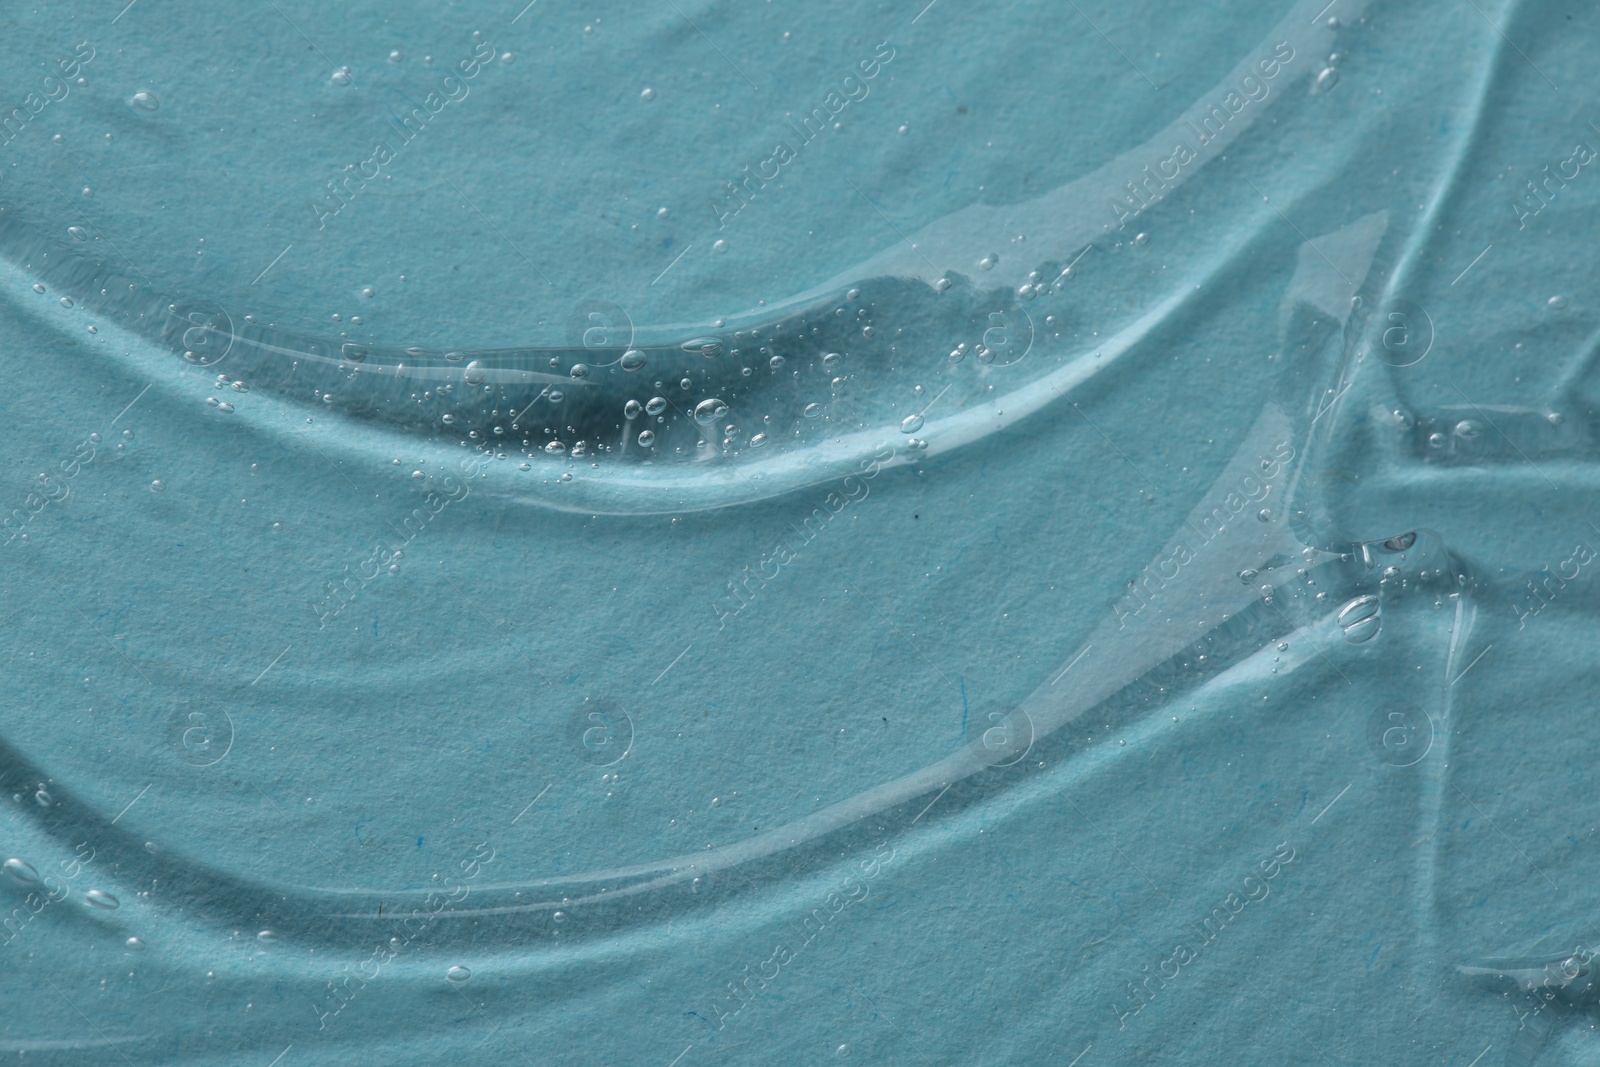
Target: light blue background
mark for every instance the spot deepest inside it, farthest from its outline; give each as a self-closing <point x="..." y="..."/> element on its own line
<point x="368" y="758"/>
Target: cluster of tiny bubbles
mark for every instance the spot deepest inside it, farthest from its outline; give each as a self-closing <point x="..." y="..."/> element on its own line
<point x="99" y="898"/>
<point x="916" y="444"/>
